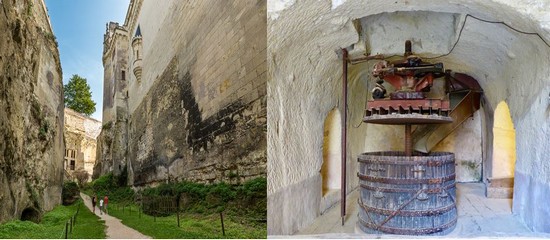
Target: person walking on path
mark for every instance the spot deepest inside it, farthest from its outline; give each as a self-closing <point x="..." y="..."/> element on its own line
<point x="101" y="207"/>
<point x="115" y="229"/>
<point x="105" y="202"/>
<point x="94" y="199"/>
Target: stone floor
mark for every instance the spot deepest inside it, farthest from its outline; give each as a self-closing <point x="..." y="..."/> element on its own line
<point x="478" y="217"/>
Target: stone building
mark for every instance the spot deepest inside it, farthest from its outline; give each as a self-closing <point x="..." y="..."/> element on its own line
<point x="31" y="112"/>
<point x="185" y="92"/>
<point x="506" y="138"/>
<point x="80" y="142"/>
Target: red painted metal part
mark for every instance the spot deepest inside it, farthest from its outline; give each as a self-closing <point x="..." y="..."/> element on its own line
<point x="409" y="81"/>
<point x="402" y="106"/>
<point x="412" y="111"/>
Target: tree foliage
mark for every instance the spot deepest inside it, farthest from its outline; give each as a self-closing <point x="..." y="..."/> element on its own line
<point x="78" y="96"/>
<point x="81" y="176"/>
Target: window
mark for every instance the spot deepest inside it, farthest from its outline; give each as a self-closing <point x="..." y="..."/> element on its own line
<point x="70" y="153"/>
<point x="123" y="75"/>
<point x="72" y="164"/>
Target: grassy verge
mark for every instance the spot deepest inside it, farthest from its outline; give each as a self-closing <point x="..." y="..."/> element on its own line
<point x="191" y="225"/>
<point x="53" y="225"/>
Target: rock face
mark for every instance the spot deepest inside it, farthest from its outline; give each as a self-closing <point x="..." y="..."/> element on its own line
<point x="185" y="93"/>
<point x="31" y="112"/>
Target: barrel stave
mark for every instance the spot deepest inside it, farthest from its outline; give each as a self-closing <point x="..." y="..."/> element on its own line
<point x="412" y="195"/>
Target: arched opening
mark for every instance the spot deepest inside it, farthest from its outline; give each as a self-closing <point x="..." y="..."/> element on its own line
<point x="30" y="214"/>
<point x="332" y="152"/>
<point x="504" y="154"/>
<point x="332" y="155"/>
<point x="504" y="143"/>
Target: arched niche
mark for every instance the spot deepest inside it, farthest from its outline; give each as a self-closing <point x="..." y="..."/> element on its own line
<point x="504" y="143"/>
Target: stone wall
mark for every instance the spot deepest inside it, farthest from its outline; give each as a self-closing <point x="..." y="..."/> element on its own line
<point x="112" y="142"/>
<point x="303" y="60"/>
<point x="81" y="134"/>
<point x="31" y="111"/>
<point x="198" y="112"/>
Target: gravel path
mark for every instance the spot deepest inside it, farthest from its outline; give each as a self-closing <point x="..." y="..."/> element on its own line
<point x="115" y="229"/>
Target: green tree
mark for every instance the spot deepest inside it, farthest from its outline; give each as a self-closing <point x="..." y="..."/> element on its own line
<point x="78" y="96"/>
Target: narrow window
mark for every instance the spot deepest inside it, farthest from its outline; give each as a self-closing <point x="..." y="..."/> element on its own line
<point x="123" y="75"/>
<point x="72" y="164"/>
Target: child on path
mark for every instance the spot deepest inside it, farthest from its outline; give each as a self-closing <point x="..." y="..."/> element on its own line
<point x="101" y="207"/>
<point x="93" y="203"/>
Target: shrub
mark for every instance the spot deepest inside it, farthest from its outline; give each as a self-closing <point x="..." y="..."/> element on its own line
<point x="110" y="185"/>
<point x="69" y="193"/>
<point x="220" y="195"/>
<point x="255" y="188"/>
<point x="103" y="184"/>
<point x="122" y="194"/>
<point x="249" y="199"/>
<point x="195" y="191"/>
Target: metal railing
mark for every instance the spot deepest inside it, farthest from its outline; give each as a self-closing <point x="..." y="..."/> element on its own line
<point x="69" y="224"/>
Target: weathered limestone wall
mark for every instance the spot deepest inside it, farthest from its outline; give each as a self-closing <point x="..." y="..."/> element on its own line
<point x="115" y="57"/>
<point x="303" y="61"/>
<point x="81" y="134"/>
<point x="113" y="140"/>
<point x="198" y="111"/>
<point x="31" y="111"/>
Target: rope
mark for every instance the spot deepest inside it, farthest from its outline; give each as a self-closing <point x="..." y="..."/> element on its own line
<point x="379" y="225"/>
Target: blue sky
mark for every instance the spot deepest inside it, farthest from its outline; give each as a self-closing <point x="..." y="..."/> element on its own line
<point x="79" y="26"/>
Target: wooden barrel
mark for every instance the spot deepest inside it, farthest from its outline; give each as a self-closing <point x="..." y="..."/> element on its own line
<point x="412" y="195"/>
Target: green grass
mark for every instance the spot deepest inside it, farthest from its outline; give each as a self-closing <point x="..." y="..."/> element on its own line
<point x="53" y="225"/>
<point x="191" y="225"/>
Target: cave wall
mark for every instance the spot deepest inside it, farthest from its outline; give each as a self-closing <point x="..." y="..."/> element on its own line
<point x="304" y="40"/>
<point x="31" y="111"/>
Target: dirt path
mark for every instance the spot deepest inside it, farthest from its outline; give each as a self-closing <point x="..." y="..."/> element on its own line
<point x="115" y="229"/>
